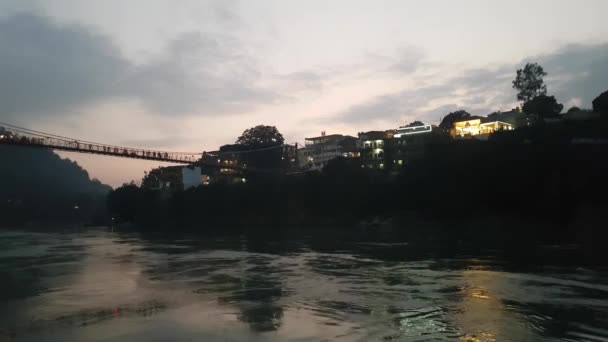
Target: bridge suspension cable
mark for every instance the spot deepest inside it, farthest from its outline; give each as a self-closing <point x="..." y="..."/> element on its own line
<point x="17" y="135"/>
<point x="28" y="131"/>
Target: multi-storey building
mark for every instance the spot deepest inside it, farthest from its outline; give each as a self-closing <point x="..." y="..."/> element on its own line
<point x="318" y="151"/>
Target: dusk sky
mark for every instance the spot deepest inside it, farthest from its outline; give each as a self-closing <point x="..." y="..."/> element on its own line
<point x="191" y="75"/>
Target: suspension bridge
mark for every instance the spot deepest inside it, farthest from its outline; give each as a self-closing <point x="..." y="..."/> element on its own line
<point x="21" y="136"/>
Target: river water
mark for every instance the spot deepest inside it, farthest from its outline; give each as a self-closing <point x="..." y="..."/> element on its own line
<point x="99" y="285"/>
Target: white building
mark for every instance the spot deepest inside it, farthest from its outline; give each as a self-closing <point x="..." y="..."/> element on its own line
<point x="318" y="151"/>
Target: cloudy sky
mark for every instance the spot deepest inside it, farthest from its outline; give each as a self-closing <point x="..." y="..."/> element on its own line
<point x="191" y="75"/>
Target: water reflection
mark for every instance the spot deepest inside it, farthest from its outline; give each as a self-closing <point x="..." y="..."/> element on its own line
<point x="101" y="285"/>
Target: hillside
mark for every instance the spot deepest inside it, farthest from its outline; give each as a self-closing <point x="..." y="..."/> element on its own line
<point x="37" y="184"/>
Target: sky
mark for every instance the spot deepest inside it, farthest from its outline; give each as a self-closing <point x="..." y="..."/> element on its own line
<point x="191" y="75"/>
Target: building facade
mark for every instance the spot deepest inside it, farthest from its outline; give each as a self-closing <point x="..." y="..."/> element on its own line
<point x="318" y="151"/>
<point x="477" y="127"/>
<point x="373" y="147"/>
<point x="410" y="143"/>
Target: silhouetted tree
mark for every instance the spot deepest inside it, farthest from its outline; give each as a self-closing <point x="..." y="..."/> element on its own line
<point x="448" y="120"/>
<point x="123" y="201"/>
<point x="261" y="136"/>
<point x="600" y="103"/>
<point x="529" y="82"/>
<point x="544" y="106"/>
<point x="259" y="141"/>
<point x="574" y="109"/>
<point x="415" y="123"/>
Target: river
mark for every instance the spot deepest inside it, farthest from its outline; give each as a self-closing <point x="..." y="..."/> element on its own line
<point x="100" y="285"/>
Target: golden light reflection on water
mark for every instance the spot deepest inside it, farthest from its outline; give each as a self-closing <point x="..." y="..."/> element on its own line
<point x="484" y="337"/>
<point x="481" y="315"/>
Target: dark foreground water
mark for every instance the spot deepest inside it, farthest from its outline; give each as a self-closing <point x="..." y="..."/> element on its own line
<point x="97" y="285"/>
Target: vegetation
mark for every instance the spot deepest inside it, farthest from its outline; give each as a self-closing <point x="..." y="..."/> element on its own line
<point x="415" y="123"/>
<point x="261" y="137"/>
<point x="543" y="106"/>
<point x="262" y="146"/>
<point x="600" y="103"/>
<point x="529" y="82"/>
<point x="36" y="184"/>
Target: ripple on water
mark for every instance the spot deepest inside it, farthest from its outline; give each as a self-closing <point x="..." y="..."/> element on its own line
<point x="96" y="282"/>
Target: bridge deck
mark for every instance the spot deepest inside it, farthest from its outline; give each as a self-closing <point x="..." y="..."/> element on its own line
<point x="124" y="152"/>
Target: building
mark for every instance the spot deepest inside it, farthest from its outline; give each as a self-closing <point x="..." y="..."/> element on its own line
<point x="372" y="146"/>
<point x="224" y="165"/>
<point x="318" y="151"/>
<point x="410" y="143"/>
<point x="405" y="131"/>
<point x="173" y="178"/>
<point x="477" y="127"/>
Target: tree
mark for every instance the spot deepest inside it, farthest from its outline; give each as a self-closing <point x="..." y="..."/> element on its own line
<point x="600" y="104"/>
<point x="544" y="106"/>
<point x="529" y="82"/>
<point x="415" y="123"/>
<point x="574" y="109"/>
<point x="448" y="121"/>
<point x="260" y="137"/>
<point x="258" y="143"/>
<point x="123" y="201"/>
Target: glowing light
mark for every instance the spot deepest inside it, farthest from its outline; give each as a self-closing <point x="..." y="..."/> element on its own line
<point x="475" y="127"/>
<point x="413" y="130"/>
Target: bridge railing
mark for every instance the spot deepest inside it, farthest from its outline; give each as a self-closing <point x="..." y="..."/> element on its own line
<point x="33" y="139"/>
<point x="224" y="160"/>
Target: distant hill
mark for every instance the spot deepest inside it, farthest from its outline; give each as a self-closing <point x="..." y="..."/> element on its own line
<point x="37" y="184"/>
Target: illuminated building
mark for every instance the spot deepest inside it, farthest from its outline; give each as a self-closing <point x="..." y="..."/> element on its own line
<point x="410" y="143"/>
<point x="372" y="147"/>
<point x="477" y="127"/>
<point x="318" y="151"/>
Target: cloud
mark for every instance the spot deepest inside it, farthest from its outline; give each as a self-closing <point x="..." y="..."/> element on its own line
<point x="165" y="142"/>
<point x="49" y="68"/>
<point x="301" y="81"/>
<point x="408" y="60"/>
<point x="395" y="106"/>
<point x="199" y="74"/>
<point x="577" y="73"/>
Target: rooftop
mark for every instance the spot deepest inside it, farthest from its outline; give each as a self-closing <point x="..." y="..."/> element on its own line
<point x="330" y="136"/>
